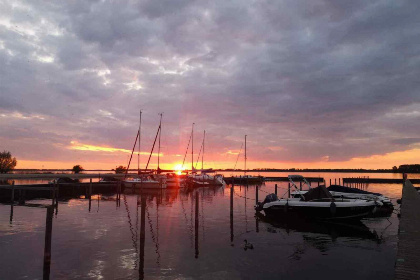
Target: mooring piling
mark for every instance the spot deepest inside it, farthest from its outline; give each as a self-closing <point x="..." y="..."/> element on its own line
<point x="275" y="189"/>
<point x="231" y="214"/>
<point x="47" y="245"/>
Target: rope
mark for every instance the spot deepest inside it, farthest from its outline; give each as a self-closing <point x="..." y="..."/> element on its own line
<point x="240" y="150"/>
<point x="242" y="196"/>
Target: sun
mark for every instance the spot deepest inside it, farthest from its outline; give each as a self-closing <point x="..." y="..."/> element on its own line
<point x="178" y="168"/>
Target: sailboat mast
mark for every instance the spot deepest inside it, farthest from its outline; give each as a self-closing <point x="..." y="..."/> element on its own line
<point x="160" y="132"/>
<point x="192" y="149"/>
<point x="202" y="156"/>
<point x="138" y="153"/>
<point x="245" y="156"/>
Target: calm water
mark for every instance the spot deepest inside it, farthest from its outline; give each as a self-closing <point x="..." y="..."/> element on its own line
<point x="105" y="243"/>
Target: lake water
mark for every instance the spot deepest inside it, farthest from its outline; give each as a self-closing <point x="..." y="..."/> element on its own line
<point x="106" y="243"/>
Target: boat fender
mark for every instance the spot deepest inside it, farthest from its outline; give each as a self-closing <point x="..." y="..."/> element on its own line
<point x="333" y="208"/>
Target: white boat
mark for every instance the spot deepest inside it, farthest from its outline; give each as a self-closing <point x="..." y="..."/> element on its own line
<point x="147" y="182"/>
<point x="317" y="203"/>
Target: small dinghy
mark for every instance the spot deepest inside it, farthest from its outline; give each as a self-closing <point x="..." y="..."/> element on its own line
<point x="317" y="203"/>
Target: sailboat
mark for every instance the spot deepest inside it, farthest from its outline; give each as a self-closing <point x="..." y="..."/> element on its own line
<point x="202" y="179"/>
<point x="146" y="180"/>
<point x="246" y="179"/>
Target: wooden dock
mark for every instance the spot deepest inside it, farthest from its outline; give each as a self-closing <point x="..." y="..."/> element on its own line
<point x="407" y="263"/>
<point x="377" y="181"/>
<point x="11" y="176"/>
<point x="34" y="191"/>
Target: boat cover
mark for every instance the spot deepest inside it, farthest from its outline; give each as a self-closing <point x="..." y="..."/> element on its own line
<point x="338" y="188"/>
<point x="317" y="193"/>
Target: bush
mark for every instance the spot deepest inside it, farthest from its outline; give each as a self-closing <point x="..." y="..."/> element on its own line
<point x="77" y="169"/>
<point x="120" y="169"/>
<point x="7" y="163"/>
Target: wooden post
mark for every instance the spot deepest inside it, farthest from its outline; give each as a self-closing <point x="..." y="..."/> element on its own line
<point x="13" y="193"/>
<point x="12" y="201"/>
<point x="57" y="194"/>
<point x="90" y="188"/>
<point x="300" y="185"/>
<point x="196" y="224"/>
<point x="256" y="194"/>
<point x="288" y="190"/>
<point x="318" y="183"/>
<point x="142" y="235"/>
<point x="335" y="181"/>
<point x="231" y="214"/>
<point x="275" y="189"/>
<point x="47" y="246"/>
<point x="53" y="193"/>
<point x="330" y="182"/>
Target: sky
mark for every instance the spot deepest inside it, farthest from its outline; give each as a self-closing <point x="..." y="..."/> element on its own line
<point x="314" y="84"/>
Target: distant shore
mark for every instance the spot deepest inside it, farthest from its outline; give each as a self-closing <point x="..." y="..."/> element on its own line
<point x="43" y="171"/>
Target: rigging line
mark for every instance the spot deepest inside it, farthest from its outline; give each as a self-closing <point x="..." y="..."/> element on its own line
<point x="198" y="156"/>
<point x="147" y="165"/>
<point x="186" y="152"/>
<point x="153" y="236"/>
<point x="135" y="142"/>
<point x="240" y="150"/>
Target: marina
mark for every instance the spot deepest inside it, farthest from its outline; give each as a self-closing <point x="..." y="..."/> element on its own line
<point x="194" y="220"/>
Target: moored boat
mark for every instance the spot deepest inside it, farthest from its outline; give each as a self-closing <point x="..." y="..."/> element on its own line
<point x="317" y="203"/>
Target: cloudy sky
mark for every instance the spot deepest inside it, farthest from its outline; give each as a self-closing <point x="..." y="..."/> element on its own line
<point x="312" y="83"/>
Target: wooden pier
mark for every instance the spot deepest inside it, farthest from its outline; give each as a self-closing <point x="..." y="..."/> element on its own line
<point x="407" y="263"/>
<point x="259" y="180"/>
<point x="33" y="191"/>
<point x="377" y="181"/>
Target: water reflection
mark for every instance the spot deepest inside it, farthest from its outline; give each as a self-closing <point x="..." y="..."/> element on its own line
<point x="356" y="229"/>
<point x="187" y="234"/>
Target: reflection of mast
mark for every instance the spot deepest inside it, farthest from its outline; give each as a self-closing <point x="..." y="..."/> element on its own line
<point x="196" y="225"/>
<point x="142" y="236"/>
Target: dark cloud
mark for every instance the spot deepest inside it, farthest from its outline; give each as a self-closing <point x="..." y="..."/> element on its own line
<point x="304" y="80"/>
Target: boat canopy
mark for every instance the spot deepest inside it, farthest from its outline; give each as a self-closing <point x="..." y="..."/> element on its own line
<point x="317" y="193"/>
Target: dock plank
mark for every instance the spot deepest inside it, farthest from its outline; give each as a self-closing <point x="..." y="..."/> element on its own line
<point x="408" y="255"/>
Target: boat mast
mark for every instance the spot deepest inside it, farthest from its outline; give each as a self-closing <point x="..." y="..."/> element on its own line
<point x="192" y="148"/>
<point x="138" y="153"/>
<point x="245" y="157"/>
<point x="160" y="132"/>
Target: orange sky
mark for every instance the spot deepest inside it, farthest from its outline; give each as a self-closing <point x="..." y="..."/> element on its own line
<point x="384" y="161"/>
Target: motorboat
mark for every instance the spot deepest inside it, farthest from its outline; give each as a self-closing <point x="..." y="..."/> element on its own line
<point x="146" y="182"/>
<point x="317" y="203"/>
<point x="204" y="179"/>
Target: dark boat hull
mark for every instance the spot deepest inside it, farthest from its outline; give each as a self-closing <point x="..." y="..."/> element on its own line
<point x="319" y="213"/>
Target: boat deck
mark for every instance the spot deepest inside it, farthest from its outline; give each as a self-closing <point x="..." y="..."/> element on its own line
<point x="407" y="263"/>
